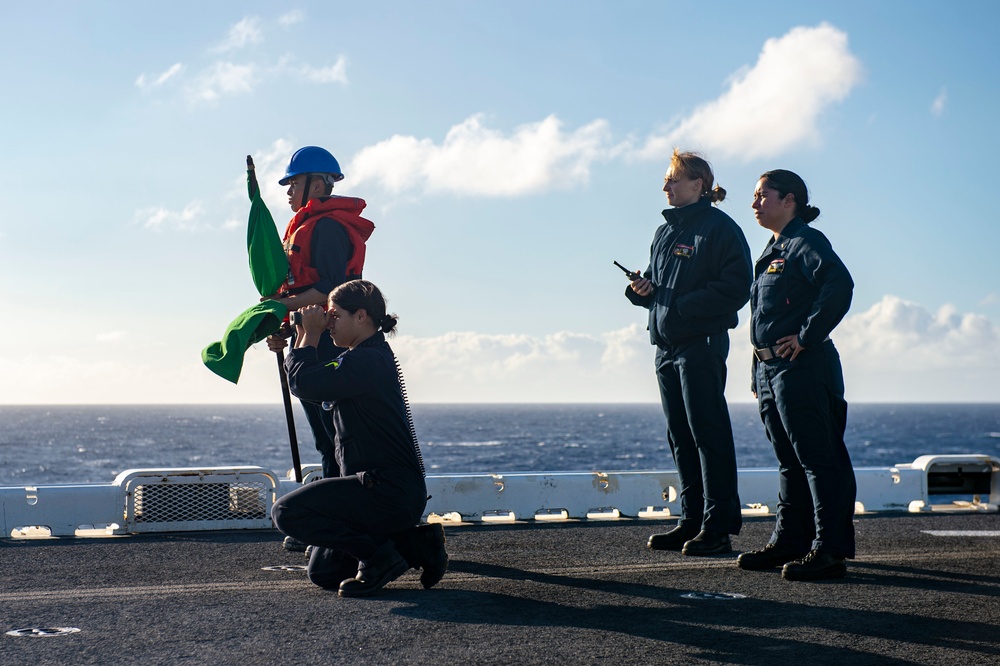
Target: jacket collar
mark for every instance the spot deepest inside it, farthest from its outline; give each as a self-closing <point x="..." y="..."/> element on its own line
<point x="686" y="213"/>
<point x="373" y="340"/>
<point x="790" y="231"/>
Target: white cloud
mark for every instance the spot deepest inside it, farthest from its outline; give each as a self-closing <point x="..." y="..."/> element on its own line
<point x="773" y="106"/>
<point x="561" y="367"/>
<point x="111" y="336"/>
<point x="270" y="163"/>
<point x="291" y="18"/>
<point x="899" y="350"/>
<point x="223" y="78"/>
<point x="146" y="83"/>
<point x="159" y="218"/>
<point x="899" y="334"/>
<point x="335" y="73"/>
<point x="247" y="31"/>
<point x="135" y="378"/>
<point x="768" y="109"/>
<point x="937" y="106"/>
<point x="896" y="351"/>
<point x="474" y="159"/>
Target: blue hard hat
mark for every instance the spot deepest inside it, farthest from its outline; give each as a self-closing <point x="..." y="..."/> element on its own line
<point x="312" y="159"/>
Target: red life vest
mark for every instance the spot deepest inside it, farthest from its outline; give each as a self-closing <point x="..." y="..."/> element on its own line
<point x="298" y="239"/>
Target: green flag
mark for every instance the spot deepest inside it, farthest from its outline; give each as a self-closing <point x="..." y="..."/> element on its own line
<point x="225" y="358"/>
<point x="268" y="263"/>
<point x="268" y="268"/>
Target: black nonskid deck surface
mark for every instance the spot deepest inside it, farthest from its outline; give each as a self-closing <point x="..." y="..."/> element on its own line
<point x="577" y="593"/>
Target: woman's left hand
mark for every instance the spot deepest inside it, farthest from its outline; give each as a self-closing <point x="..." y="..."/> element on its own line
<point x="789" y="345"/>
<point x="313" y="320"/>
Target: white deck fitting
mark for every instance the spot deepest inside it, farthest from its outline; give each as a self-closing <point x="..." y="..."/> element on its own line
<point x="190" y="499"/>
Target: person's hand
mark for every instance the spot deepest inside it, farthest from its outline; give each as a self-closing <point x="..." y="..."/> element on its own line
<point x="643" y="286"/>
<point x="312" y="320"/>
<point x="276" y="343"/>
<point x="789" y="345"/>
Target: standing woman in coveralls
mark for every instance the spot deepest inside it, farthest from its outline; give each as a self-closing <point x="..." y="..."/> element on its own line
<point x="698" y="278"/>
<point x="801" y="291"/>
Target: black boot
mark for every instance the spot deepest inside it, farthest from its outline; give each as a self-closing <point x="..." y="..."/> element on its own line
<point x="769" y="557"/>
<point x="328" y="568"/>
<point x="384" y="566"/>
<point x="423" y="548"/>
<point x="817" y="565"/>
<point x="672" y="539"/>
<point x="708" y="542"/>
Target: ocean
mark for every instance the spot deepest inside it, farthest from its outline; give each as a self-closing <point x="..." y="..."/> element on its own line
<point x="92" y="444"/>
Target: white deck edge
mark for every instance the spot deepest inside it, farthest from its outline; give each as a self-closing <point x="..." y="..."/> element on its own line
<point x="66" y="510"/>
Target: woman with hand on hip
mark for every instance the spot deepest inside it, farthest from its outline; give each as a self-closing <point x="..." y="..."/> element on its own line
<point x="801" y="291"/>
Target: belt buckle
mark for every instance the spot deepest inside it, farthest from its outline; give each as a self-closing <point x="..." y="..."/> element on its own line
<point x="765" y="354"/>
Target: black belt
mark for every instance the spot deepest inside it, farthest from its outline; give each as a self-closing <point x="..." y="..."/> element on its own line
<point x="770" y="353"/>
<point x="767" y="353"/>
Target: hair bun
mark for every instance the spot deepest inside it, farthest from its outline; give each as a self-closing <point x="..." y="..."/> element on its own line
<point x="809" y="213"/>
<point x="388" y="323"/>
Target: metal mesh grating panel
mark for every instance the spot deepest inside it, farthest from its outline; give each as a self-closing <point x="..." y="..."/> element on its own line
<point x="170" y="503"/>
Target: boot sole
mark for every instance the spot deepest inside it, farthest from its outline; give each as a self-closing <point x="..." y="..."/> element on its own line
<point x="392" y="574"/>
<point x="708" y="553"/>
<point x="770" y="564"/>
<point x="838" y="571"/>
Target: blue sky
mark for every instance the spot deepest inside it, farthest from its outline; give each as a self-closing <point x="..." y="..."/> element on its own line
<point x="508" y="153"/>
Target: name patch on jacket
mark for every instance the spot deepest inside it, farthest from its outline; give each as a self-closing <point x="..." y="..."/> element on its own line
<point x="685" y="251"/>
<point x="776" y="266"/>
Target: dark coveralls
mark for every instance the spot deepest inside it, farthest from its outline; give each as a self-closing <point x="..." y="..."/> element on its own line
<point x="701" y="268"/>
<point x="379" y="487"/>
<point x="331" y="250"/>
<point x="802" y="287"/>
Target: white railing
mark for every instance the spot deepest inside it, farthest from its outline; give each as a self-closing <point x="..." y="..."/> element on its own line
<point x="189" y="499"/>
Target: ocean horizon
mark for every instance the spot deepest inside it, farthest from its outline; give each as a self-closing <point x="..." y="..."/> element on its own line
<point x="44" y="444"/>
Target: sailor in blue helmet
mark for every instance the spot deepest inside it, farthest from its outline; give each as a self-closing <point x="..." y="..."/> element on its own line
<point x="801" y="291"/>
<point x="325" y="245"/>
<point x="697" y="280"/>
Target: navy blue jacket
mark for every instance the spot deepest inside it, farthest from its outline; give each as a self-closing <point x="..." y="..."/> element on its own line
<point x="700" y="265"/>
<point x="801" y="287"/>
<point x="371" y="428"/>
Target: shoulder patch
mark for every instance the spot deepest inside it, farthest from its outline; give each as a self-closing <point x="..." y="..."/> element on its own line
<point x="776" y="266"/>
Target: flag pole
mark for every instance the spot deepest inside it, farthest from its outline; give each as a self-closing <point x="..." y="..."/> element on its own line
<point x="286" y="396"/>
<point x="289" y="419"/>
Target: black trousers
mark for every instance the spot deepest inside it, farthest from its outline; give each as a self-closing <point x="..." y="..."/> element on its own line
<point x="350" y="518"/>
<point x="805" y="415"/>
<point x="692" y="379"/>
